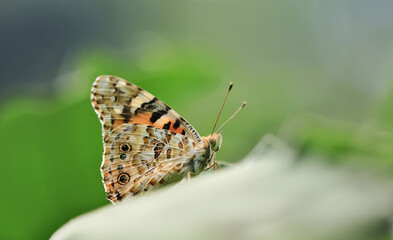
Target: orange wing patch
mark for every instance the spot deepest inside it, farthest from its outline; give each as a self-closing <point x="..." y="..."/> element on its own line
<point x="168" y="123"/>
<point x="165" y="122"/>
<point x="140" y="118"/>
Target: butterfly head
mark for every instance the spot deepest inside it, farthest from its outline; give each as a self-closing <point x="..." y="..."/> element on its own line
<point x="215" y="141"/>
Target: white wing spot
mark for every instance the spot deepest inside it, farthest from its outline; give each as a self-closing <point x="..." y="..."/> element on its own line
<point x="121" y="84"/>
<point x="137" y="102"/>
<point x="103" y="84"/>
<point x="118" y="109"/>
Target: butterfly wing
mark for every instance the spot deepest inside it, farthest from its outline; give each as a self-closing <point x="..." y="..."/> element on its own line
<point x="117" y="102"/>
<point x="145" y="141"/>
<point x="139" y="157"/>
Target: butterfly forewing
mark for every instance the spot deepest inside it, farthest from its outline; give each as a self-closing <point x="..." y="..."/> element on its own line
<point x="117" y="101"/>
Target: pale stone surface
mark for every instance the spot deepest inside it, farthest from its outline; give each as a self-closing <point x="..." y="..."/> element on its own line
<point x="269" y="195"/>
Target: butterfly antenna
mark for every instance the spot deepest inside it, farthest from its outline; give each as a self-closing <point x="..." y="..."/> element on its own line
<point x="229" y="119"/>
<point x="229" y="90"/>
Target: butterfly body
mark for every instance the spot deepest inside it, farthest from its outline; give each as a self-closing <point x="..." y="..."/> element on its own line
<point x="146" y="143"/>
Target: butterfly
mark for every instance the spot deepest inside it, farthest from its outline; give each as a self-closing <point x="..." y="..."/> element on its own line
<point x="146" y="143"/>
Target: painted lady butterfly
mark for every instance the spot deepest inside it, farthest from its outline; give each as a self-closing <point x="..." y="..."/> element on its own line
<point x="146" y="143"/>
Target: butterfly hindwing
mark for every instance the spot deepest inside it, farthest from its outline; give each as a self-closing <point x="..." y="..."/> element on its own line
<point x="139" y="157"/>
<point x="117" y="102"/>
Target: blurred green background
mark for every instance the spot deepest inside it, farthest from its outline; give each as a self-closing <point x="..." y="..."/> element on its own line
<point x="316" y="73"/>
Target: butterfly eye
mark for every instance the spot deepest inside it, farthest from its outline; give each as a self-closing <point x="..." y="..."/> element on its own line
<point x="123" y="178"/>
<point x="125" y="147"/>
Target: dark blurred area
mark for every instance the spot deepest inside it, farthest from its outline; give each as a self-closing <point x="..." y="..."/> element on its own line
<point x="318" y="74"/>
<point x="37" y="36"/>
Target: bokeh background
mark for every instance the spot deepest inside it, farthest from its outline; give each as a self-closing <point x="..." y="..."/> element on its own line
<point x="318" y="74"/>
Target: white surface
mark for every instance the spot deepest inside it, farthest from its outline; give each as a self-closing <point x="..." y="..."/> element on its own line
<point x="267" y="196"/>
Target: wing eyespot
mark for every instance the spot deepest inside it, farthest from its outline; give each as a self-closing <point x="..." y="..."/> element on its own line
<point x="123" y="178"/>
<point x="125" y="147"/>
<point x="119" y="167"/>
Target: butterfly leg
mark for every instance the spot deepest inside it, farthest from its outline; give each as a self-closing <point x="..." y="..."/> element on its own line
<point x="215" y="163"/>
<point x="218" y="166"/>
<point x="189" y="176"/>
<point x="209" y="167"/>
